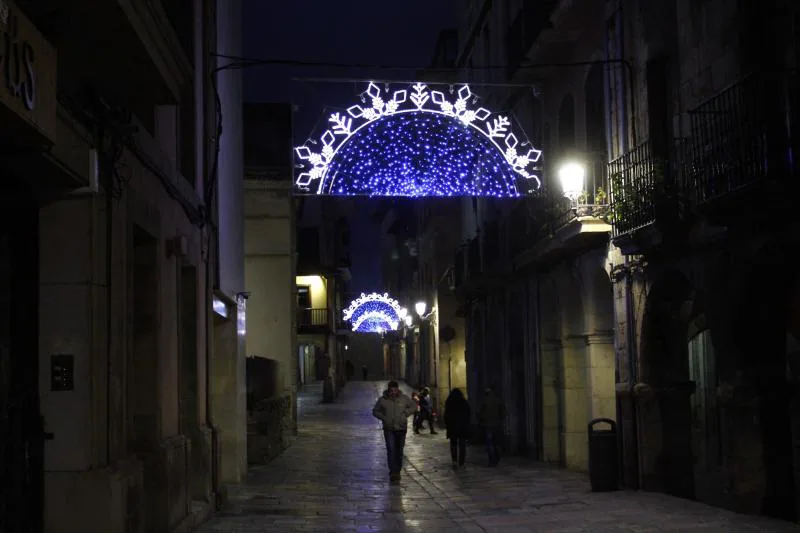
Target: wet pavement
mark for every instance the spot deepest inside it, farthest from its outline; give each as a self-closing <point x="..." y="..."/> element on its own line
<point x="334" y="479"/>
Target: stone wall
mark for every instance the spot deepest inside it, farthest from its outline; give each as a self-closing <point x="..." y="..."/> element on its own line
<point x="269" y="428"/>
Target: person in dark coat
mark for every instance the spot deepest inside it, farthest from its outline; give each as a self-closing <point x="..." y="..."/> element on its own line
<point x="426" y="410"/>
<point x="457" y="422"/>
<point x="491" y="415"/>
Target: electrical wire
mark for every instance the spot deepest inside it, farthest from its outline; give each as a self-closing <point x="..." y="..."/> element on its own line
<point x="245" y="62"/>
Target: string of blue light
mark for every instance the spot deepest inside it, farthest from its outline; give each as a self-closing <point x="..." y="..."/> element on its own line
<point x="420" y="154"/>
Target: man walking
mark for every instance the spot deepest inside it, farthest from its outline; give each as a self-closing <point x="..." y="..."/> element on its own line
<point x="393" y="409"/>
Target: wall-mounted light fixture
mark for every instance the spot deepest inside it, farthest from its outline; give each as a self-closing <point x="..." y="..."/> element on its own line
<point x="572" y="176"/>
<point x="219" y="307"/>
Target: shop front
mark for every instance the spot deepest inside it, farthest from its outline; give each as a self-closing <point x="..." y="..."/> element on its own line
<point x="27" y="133"/>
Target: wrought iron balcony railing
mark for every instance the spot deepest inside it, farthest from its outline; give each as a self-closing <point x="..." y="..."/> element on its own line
<point x="634" y="178"/>
<point x="745" y="134"/>
<point x="595" y="199"/>
<point x="312" y="318"/>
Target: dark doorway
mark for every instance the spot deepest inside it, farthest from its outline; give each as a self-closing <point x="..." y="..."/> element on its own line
<point x="21" y="428"/>
<point x="516" y="347"/>
<point x="303" y="297"/>
<point x="142" y="368"/>
<point x="763" y="319"/>
<point x="141" y="379"/>
<point x="670" y="306"/>
<point x="187" y="329"/>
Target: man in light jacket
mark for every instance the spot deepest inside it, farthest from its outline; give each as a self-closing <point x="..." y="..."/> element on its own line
<point x="393" y="409"/>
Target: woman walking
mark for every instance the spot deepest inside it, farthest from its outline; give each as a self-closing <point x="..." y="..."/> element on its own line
<point x="457" y="421"/>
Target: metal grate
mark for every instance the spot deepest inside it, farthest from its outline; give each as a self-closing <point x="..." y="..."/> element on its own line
<point x="743" y="135"/>
<point x="633" y="178"/>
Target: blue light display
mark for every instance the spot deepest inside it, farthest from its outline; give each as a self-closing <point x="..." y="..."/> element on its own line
<point x="420" y="154"/>
<point x="374" y="325"/>
<point x="417" y="141"/>
<point x="372" y="313"/>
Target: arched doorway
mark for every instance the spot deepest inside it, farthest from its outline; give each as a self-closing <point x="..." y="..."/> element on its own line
<point x="666" y="409"/>
<point x="766" y="320"/>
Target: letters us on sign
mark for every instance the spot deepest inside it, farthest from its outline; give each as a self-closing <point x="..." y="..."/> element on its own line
<point x="16" y="64"/>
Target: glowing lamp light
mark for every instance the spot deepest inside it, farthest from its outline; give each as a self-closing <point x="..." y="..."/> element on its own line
<point x="572" y="177"/>
<point x="409" y="320"/>
<point x="420" y="308"/>
<point x="402" y="313"/>
<point x="418" y="142"/>
<point x="219" y="307"/>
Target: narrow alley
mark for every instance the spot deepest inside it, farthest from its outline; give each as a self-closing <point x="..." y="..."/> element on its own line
<point x="333" y="479"/>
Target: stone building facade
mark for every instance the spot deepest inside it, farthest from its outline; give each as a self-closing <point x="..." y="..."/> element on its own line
<point x="661" y="297"/>
<point x="270" y="265"/>
<point x="123" y="227"/>
<point x="321" y="288"/>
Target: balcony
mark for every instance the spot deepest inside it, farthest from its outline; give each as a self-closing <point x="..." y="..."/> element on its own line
<point x="313" y="321"/>
<point x="633" y="179"/>
<point x="744" y="137"/>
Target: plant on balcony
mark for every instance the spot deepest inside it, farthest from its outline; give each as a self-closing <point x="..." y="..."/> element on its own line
<point x="601" y="197"/>
<point x="600" y="207"/>
<point x="622" y="206"/>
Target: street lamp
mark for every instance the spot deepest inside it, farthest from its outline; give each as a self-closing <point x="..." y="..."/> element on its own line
<point x="409" y="320"/>
<point x="572" y="176"/>
<point x="403" y="313"/>
<point x="420" y="308"/>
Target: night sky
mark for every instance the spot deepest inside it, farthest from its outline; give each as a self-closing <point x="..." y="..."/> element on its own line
<point x="384" y="33"/>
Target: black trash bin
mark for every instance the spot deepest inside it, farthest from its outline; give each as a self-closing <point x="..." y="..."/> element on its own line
<point x="603" y="466"/>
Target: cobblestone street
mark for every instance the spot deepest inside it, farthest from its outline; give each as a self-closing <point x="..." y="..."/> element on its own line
<point x="334" y="479"/>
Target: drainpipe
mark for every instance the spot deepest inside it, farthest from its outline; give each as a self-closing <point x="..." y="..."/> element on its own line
<point x="537" y="366"/>
<point x="630" y="330"/>
<point x="106" y="169"/>
<point x="209" y="349"/>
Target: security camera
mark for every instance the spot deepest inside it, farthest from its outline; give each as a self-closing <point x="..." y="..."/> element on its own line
<point x="245" y="295"/>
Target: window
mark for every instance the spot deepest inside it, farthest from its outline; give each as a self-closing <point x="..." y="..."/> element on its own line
<point x="705" y="420"/>
<point x="615" y="89"/>
<point x="566" y="124"/>
<point x="303" y="297"/>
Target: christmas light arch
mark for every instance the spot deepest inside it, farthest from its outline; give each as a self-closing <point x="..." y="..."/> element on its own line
<point x="371" y="313"/>
<point x="416" y="141"/>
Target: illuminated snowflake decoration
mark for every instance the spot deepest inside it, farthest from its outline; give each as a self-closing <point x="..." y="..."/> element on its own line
<point x="371" y="313"/>
<point x="396" y="148"/>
